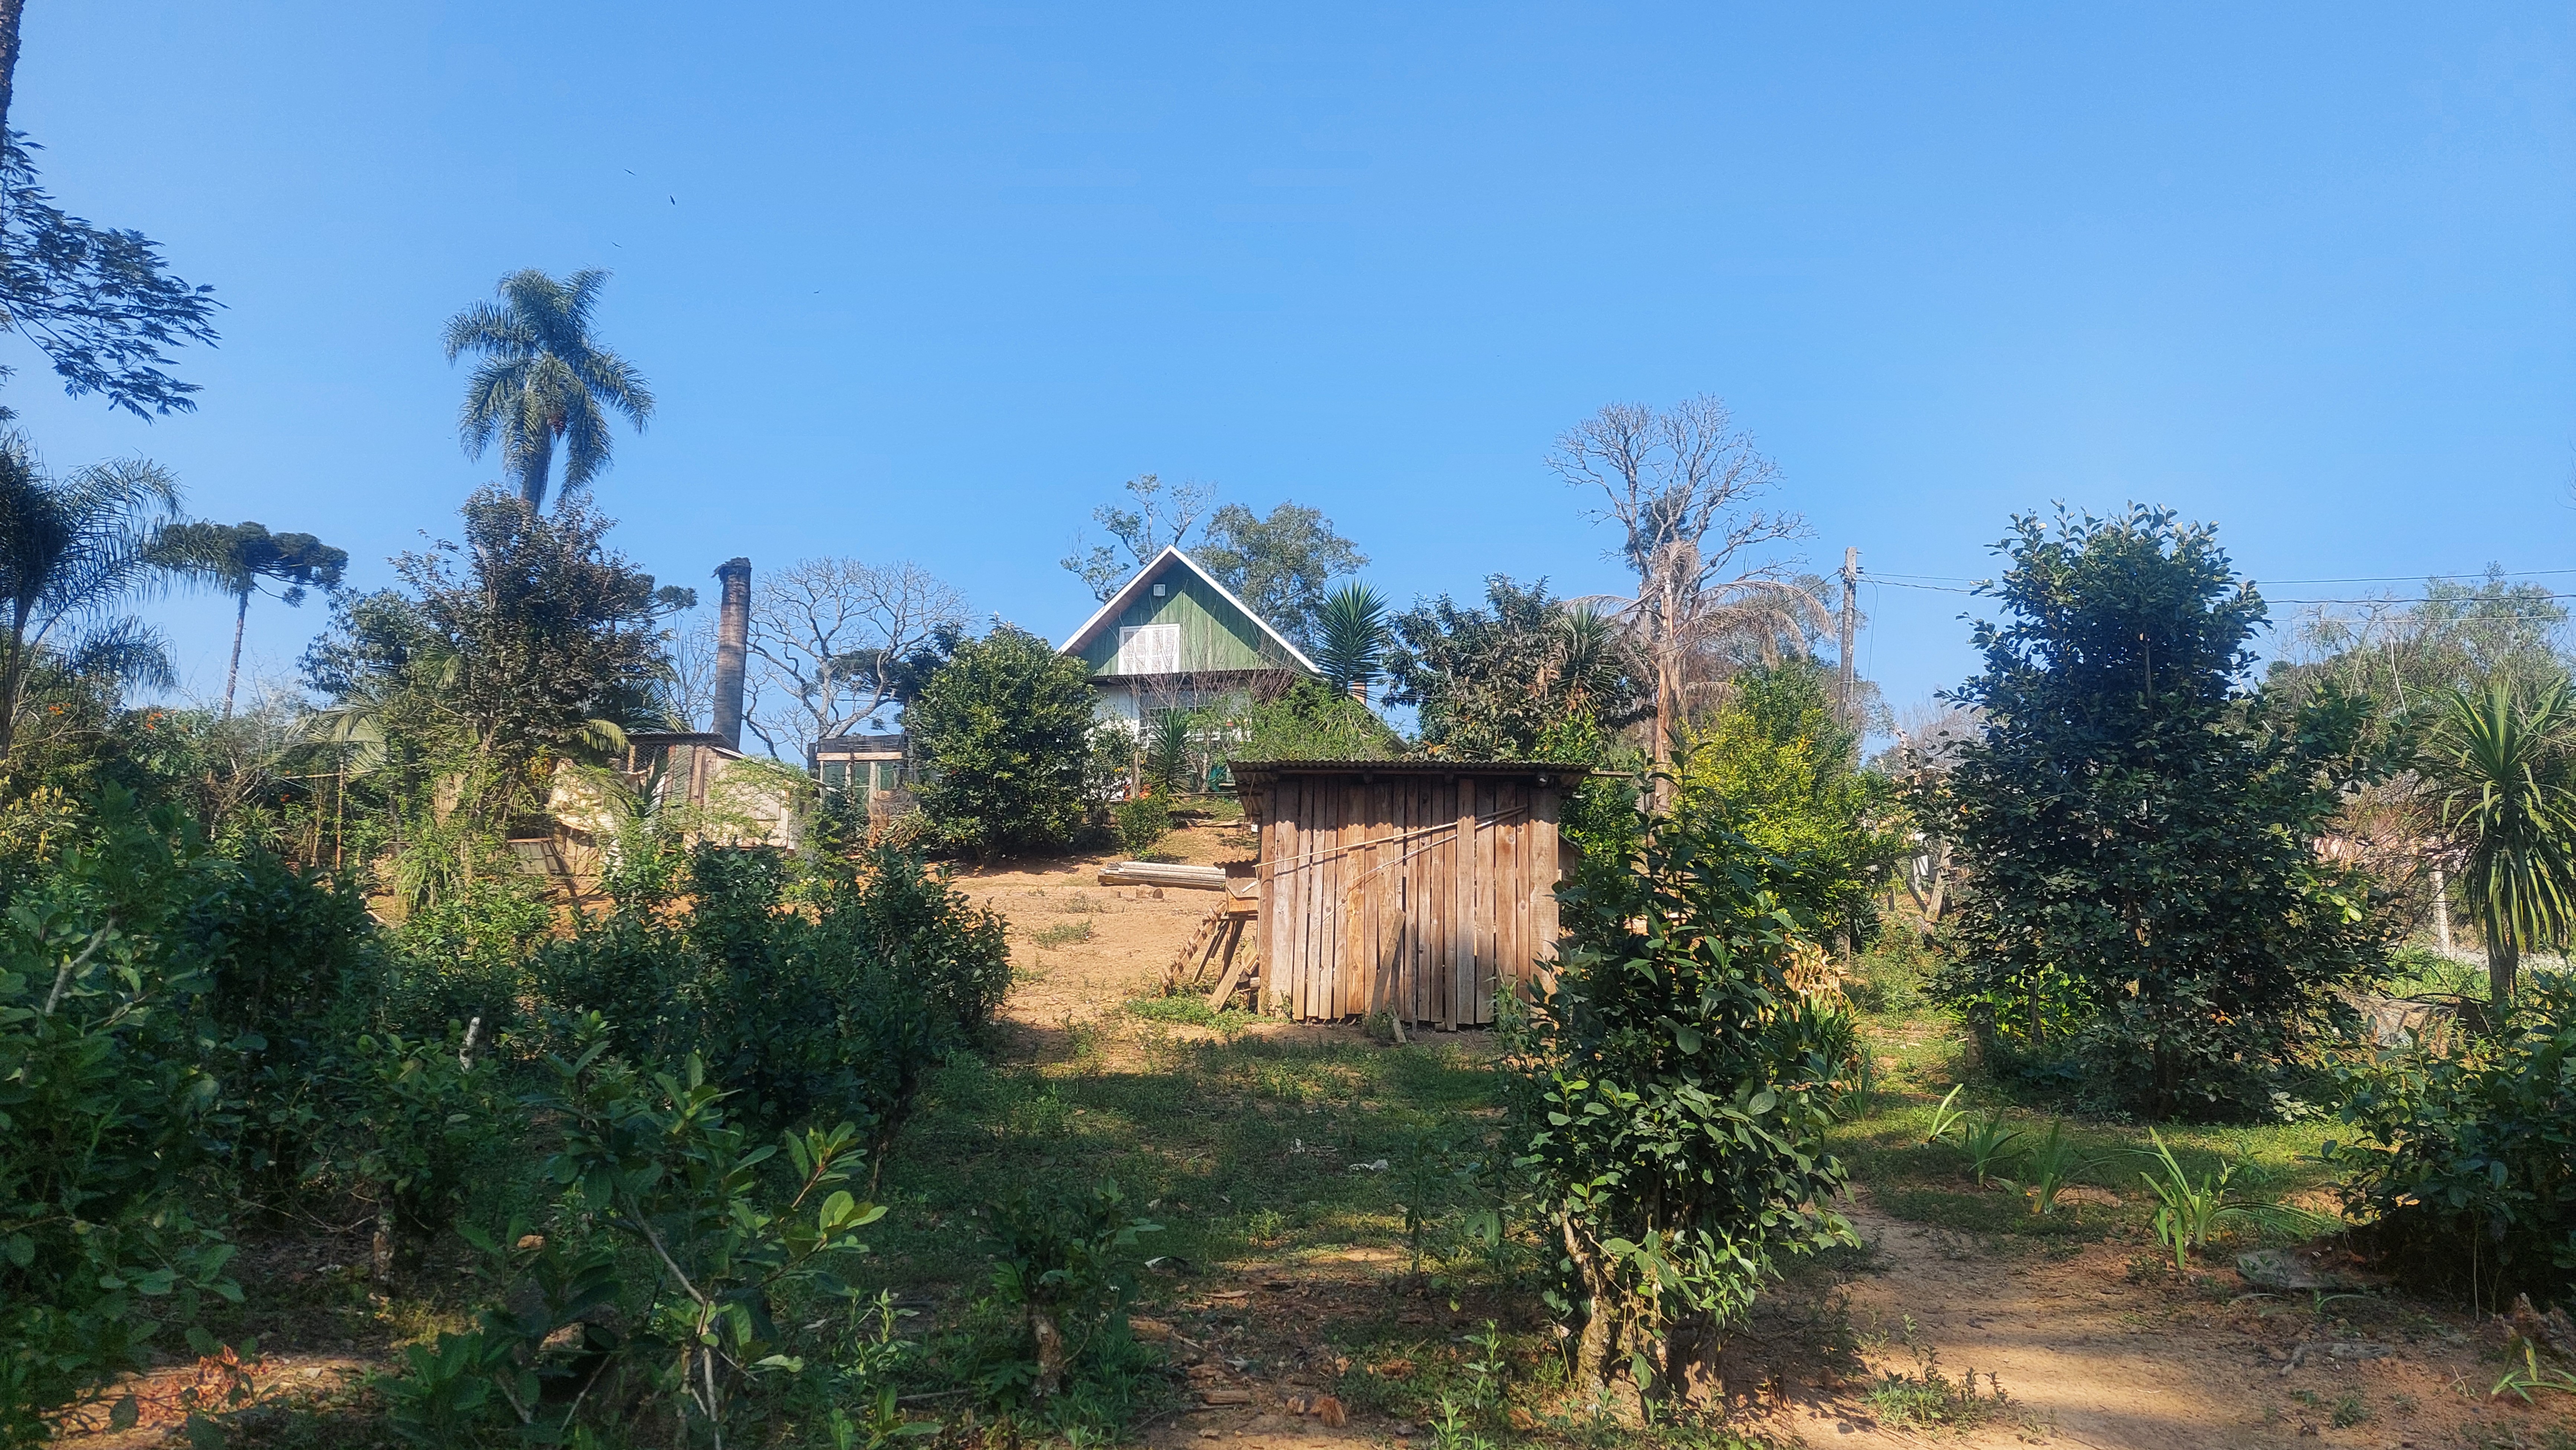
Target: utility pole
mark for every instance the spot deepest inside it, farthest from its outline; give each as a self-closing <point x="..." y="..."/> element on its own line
<point x="1851" y="591"/>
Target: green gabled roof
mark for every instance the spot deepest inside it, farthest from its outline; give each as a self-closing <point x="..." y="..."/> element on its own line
<point x="1217" y="632"/>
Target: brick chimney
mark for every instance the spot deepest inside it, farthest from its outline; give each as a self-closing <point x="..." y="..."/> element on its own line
<point x="733" y="638"/>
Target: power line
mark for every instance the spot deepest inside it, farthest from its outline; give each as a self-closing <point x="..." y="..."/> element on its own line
<point x="1978" y="587"/>
<point x="2466" y="576"/>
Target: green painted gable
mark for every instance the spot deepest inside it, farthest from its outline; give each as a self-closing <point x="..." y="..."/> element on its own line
<point x="1214" y="634"/>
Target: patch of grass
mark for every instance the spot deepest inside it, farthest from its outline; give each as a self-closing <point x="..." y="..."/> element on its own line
<point x="1204" y="1134"/>
<point x="1062" y="933"/>
<point x="1985" y="1213"/>
<point x="1928" y="1398"/>
<point x="1188" y="1009"/>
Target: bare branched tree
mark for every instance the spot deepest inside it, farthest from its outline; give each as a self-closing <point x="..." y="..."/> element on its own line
<point x="1682" y="484"/>
<point x="1164" y="514"/>
<point x="693" y="672"/>
<point x="833" y="638"/>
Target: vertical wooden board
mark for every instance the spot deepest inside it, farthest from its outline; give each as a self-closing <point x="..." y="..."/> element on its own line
<point x="1292" y="962"/>
<point x="1516" y="959"/>
<point x="1359" y="975"/>
<point x="1382" y="857"/>
<point x="1328" y="922"/>
<point x="1487" y="897"/>
<point x="1547" y="847"/>
<point x="1310" y="841"/>
<point x="1417" y="904"/>
<point x="1392" y="897"/>
<point x="1319" y="912"/>
<point x="1508" y="900"/>
<point x="1277" y="889"/>
<point x="1461" y="942"/>
<point x="1366" y="897"/>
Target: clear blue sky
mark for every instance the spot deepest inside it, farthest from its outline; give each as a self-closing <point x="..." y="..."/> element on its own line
<point x="931" y="281"/>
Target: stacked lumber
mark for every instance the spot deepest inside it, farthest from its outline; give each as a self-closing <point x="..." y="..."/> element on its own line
<point x="1156" y="873"/>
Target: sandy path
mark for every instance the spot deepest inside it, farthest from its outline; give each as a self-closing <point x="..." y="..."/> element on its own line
<point x="2086" y="1357"/>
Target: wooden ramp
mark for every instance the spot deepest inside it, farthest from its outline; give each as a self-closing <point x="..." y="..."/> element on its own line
<point x="1221" y="957"/>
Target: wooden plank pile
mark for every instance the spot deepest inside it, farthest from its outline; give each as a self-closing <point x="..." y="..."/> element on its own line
<point x="1158" y="873"/>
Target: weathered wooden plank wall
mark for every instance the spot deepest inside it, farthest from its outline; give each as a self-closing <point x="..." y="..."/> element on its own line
<point x="1411" y="893"/>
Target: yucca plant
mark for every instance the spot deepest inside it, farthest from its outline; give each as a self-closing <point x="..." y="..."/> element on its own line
<point x="2190" y="1210"/>
<point x="2502" y="764"/>
<point x="2052" y="1164"/>
<point x="1986" y="1142"/>
<point x="1945" y="1118"/>
<point x="1352" y="637"/>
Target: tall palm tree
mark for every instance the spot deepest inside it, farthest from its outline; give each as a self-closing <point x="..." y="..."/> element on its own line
<point x="235" y="557"/>
<point x="543" y="380"/>
<point x="2502" y="768"/>
<point x="73" y="552"/>
<point x="1352" y="637"/>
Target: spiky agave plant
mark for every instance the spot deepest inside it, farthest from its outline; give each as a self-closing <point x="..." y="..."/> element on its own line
<point x="2502" y="764"/>
<point x="1352" y="637"/>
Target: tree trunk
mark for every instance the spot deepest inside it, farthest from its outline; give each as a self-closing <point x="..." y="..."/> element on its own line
<point x="2441" y="909"/>
<point x="2504" y="956"/>
<point x="13" y="682"/>
<point x="1592" y="1349"/>
<point x="241" y="617"/>
<point x="534" y="468"/>
<point x="9" y="13"/>
<point x="1050" y="1345"/>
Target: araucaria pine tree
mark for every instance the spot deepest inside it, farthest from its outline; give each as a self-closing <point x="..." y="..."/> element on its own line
<point x="2145" y="897"/>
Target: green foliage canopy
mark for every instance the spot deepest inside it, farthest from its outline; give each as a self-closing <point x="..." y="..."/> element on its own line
<point x="1004" y="732"/>
<point x="96" y="300"/>
<point x="2139" y="829"/>
<point x="531" y="640"/>
<point x="1492" y="683"/>
<point x="1279" y="565"/>
<point x="1778" y="767"/>
<point x="543" y="380"/>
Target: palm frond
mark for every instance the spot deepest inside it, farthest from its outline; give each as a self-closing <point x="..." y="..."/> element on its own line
<point x="124" y="651"/>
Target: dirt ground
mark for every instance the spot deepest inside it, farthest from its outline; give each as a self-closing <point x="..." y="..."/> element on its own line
<point x="1135" y="931"/>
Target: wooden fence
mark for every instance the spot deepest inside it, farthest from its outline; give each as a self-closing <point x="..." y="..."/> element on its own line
<point x="1417" y="889"/>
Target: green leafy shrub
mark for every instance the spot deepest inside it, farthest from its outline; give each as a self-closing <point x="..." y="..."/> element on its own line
<point x="653" y="1300"/>
<point x="1005" y="731"/>
<point x="2466" y="1164"/>
<point x="828" y="994"/>
<point x="1062" y="1276"/>
<point x="1777" y="765"/>
<point x="1142" y="822"/>
<point x="1309" y="720"/>
<point x="421" y="1125"/>
<point x="1669" y="1101"/>
<point x="106" y="1115"/>
<point x="2144" y="909"/>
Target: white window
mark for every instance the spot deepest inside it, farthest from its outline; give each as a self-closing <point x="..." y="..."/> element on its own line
<point x="1149" y="649"/>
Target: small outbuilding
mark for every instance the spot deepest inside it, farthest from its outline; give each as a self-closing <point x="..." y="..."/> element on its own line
<point x="1417" y="888"/>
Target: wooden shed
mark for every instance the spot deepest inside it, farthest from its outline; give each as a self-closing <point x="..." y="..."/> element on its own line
<point x="1419" y="888"/>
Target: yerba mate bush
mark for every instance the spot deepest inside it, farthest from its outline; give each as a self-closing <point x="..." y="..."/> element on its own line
<point x="1670" y="1096"/>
